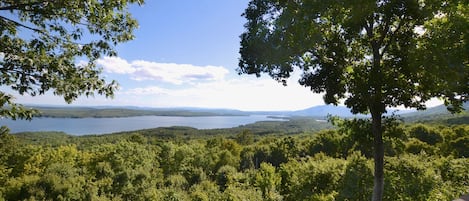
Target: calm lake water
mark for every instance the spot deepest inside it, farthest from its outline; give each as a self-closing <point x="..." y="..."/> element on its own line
<point x="85" y="126"/>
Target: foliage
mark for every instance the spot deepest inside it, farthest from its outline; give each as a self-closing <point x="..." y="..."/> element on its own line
<point x="361" y="52"/>
<point x="312" y="178"/>
<point x="139" y="166"/>
<point x="357" y="179"/>
<point x="245" y="137"/>
<point x="419" y="178"/>
<point x="371" y="54"/>
<point x="41" y="42"/>
<point x="425" y="134"/>
<point x="327" y="142"/>
<point x="267" y="179"/>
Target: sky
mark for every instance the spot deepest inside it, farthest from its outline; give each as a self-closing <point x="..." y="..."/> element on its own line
<point x="185" y="54"/>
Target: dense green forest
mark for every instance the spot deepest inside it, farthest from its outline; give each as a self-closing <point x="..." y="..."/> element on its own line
<point x="255" y="162"/>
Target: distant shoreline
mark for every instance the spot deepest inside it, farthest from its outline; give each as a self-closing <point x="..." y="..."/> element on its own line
<point x="142" y="115"/>
<point x="76" y="113"/>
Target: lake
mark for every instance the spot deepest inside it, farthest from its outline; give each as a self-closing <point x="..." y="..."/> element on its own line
<point x="83" y="126"/>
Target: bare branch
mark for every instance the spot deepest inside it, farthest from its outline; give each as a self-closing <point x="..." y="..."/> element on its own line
<point x="20" y="24"/>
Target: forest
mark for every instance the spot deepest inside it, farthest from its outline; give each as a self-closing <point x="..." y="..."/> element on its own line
<point x="367" y="55"/>
<point x="423" y="162"/>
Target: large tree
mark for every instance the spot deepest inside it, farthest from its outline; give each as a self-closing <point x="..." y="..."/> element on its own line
<point x="372" y="54"/>
<point x="49" y="45"/>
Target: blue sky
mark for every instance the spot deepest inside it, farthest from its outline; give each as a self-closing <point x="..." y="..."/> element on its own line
<point x="185" y="55"/>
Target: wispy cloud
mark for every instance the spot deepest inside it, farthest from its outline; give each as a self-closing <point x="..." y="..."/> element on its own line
<point x="165" y="72"/>
<point x="144" y="91"/>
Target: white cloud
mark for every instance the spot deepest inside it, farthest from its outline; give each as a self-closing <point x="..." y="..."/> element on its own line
<point x="193" y="86"/>
<point x="154" y="90"/>
<point x="245" y="93"/>
<point x="166" y="72"/>
<point x="116" y="65"/>
<point x="434" y="102"/>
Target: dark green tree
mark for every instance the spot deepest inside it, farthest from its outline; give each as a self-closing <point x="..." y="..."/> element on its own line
<point x="245" y="137"/>
<point x="40" y="42"/>
<point x="425" y="134"/>
<point x="371" y="54"/>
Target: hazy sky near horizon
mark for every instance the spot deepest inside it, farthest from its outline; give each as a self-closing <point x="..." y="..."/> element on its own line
<point x="185" y="54"/>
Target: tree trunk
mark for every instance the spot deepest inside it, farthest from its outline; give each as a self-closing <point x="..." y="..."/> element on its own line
<point x="378" y="156"/>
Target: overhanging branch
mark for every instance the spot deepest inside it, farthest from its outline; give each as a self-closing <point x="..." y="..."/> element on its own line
<point x="21" y="6"/>
<point x="17" y="24"/>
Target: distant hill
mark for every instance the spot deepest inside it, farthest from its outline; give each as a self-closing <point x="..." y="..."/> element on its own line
<point x="341" y="111"/>
<point x="109" y="112"/>
<point x="438" y="114"/>
<point x="324" y="111"/>
<point x="440" y="109"/>
<point x="321" y="111"/>
<point x="318" y="112"/>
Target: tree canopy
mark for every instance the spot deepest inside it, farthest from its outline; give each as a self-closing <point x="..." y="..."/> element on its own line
<point x="398" y="52"/>
<point x="190" y="164"/>
<point x="53" y="46"/>
<point x="371" y="54"/>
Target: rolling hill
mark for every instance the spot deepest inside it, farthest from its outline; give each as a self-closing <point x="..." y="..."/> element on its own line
<point x="438" y="113"/>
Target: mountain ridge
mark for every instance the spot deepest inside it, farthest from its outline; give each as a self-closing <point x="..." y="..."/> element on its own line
<point x="319" y="111"/>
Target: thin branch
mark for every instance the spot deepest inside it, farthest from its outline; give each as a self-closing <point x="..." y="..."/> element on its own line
<point x="21" y="25"/>
<point x="83" y="23"/>
<point x="20" y="6"/>
<point x="393" y="34"/>
<point x="369" y="29"/>
<point x="384" y="32"/>
<point x="37" y="30"/>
